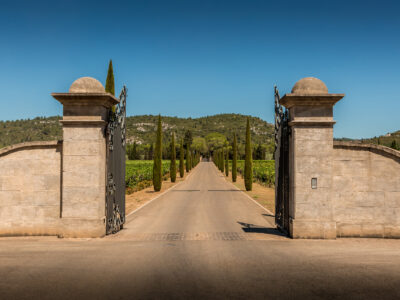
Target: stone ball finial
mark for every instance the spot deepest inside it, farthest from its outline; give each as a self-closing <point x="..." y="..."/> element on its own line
<point x="309" y="86"/>
<point x="86" y="85"/>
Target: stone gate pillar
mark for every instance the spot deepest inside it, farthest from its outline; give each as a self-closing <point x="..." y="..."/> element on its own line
<point x="311" y="150"/>
<point x="85" y="116"/>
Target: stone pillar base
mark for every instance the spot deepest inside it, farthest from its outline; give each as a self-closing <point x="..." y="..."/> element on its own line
<point x="83" y="228"/>
<point x="313" y="229"/>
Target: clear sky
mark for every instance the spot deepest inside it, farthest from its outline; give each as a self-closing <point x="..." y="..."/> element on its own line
<point x="194" y="58"/>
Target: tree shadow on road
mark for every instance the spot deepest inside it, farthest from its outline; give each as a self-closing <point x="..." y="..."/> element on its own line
<point x="185" y="190"/>
<point x="230" y="190"/>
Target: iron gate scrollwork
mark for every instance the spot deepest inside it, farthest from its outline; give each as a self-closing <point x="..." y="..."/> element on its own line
<point x="116" y="142"/>
<point x="282" y="189"/>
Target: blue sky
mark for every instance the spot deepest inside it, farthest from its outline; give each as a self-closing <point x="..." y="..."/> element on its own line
<point x="195" y="58"/>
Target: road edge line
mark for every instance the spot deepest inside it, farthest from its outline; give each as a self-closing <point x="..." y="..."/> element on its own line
<point x="158" y="196"/>
<point x="243" y="192"/>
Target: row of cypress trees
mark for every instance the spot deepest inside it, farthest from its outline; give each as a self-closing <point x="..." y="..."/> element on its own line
<point x="221" y="160"/>
<point x="192" y="159"/>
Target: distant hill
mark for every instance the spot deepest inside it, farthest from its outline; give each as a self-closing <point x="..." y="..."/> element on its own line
<point x="142" y="128"/>
<point x="384" y="140"/>
<point x="38" y="129"/>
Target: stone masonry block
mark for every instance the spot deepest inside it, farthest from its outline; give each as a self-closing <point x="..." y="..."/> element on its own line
<point x="313" y="164"/>
<point x="82" y="147"/>
<point x="313" y="211"/>
<point x="314" y="148"/>
<point x="392" y="199"/>
<point x="372" y="230"/>
<point x="10" y="183"/>
<point x="341" y="184"/>
<point x="84" y="164"/>
<point x="41" y="183"/>
<point x="313" y="230"/>
<point x="83" y="178"/>
<point x="392" y="231"/>
<point x="83" y="133"/>
<point x="348" y="230"/>
<point x="10" y="198"/>
<point x="83" y="210"/>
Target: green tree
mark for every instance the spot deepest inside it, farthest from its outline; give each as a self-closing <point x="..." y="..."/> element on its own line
<point x="157" y="165"/>
<point x="190" y="158"/>
<point x="193" y="159"/>
<point x="248" y="164"/>
<point x="181" y="160"/>
<point x="187" y="159"/>
<point x="131" y="151"/>
<point x="234" y="159"/>
<point x="215" y="158"/>
<point x="259" y="153"/>
<point x="222" y="160"/>
<point x="199" y="145"/>
<point x="394" y="145"/>
<point x="172" y="168"/>
<point x="215" y="141"/>
<point x="110" y="81"/>
<point x="227" y="162"/>
<point x="188" y="139"/>
<point x="150" y="153"/>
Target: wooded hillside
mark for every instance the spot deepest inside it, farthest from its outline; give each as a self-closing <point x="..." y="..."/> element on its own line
<point x="142" y="128"/>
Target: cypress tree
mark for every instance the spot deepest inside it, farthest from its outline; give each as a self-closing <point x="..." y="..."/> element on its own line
<point x="151" y="152"/>
<point x="248" y="164"/>
<point x="193" y="159"/>
<point x="181" y="160"/>
<point x="172" y="168"/>
<point x="227" y="163"/>
<point x="394" y="145"/>
<point x="187" y="159"/>
<point x="234" y="159"/>
<point x="222" y="160"/>
<point x="110" y="81"/>
<point x="190" y="158"/>
<point x="219" y="160"/>
<point x="157" y="166"/>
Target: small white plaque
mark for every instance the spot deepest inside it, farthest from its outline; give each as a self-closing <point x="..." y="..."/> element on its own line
<point x="313" y="183"/>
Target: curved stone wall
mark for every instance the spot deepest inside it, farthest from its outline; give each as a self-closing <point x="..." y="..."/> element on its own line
<point x="30" y="185"/>
<point x="366" y="190"/>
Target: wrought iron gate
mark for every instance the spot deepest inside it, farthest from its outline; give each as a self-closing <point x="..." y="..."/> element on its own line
<point x="116" y="142"/>
<point x="282" y="132"/>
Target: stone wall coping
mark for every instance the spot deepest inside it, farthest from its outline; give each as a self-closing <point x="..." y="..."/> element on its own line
<point x="368" y="147"/>
<point x="312" y="123"/>
<point x="83" y="122"/>
<point x="290" y="100"/>
<point x="86" y="99"/>
<point x="29" y="145"/>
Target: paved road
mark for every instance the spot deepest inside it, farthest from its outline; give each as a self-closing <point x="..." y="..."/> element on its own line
<point x="201" y="240"/>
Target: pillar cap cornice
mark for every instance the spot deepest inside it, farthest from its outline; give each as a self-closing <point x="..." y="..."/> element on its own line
<point x="86" y="99"/>
<point x="290" y="100"/>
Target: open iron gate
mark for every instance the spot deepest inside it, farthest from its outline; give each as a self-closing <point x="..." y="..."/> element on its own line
<point x="282" y="189"/>
<point x="116" y="142"/>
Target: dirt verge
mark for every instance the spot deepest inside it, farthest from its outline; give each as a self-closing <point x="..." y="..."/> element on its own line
<point x="265" y="196"/>
<point x="139" y="198"/>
